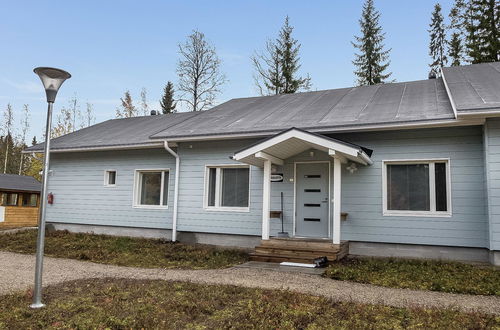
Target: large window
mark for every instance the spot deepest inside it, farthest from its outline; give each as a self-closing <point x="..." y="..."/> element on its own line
<point x="30" y="200"/>
<point x="9" y="199"/>
<point x="417" y="188"/>
<point x="151" y="188"/>
<point x="227" y="188"/>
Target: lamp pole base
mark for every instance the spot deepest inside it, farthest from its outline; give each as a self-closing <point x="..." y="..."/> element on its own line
<point x="36" y="306"/>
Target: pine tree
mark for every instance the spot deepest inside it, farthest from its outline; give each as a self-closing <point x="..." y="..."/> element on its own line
<point x="277" y="68"/>
<point x="167" y="102"/>
<point x="455" y="49"/>
<point x="288" y="50"/>
<point x="373" y="60"/>
<point x="486" y="13"/>
<point x="437" y="42"/>
<point x="127" y="108"/>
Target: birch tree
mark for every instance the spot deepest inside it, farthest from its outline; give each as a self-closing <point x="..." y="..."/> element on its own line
<point x="89" y="117"/>
<point x="25" y="125"/>
<point x="199" y="71"/>
<point x="8" y="117"/>
<point x="144" y="102"/>
<point x="127" y="108"/>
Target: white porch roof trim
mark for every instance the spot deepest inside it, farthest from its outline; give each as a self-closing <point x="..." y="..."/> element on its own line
<point x="294" y="141"/>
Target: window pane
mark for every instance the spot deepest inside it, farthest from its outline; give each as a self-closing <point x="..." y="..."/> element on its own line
<point x="408" y="187"/>
<point x="165" y="188"/>
<point x="111" y="177"/>
<point x="11" y="200"/>
<point x="150" y="188"/>
<point x="3" y="199"/>
<point x="29" y="200"/>
<point x="441" y="198"/>
<point x="33" y="200"/>
<point x="235" y="187"/>
<point x="211" y="186"/>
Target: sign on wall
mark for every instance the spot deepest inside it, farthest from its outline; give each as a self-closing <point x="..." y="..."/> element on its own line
<point x="277" y="177"/>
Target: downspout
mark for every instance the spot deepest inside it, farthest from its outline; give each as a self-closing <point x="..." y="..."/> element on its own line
<point x="176" y="189"/>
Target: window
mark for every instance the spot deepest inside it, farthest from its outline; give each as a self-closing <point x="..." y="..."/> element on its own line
<point x="227" y="188"/>
<point x="151" y="188"/>
<point x="30" y="200"/>
<point x="417" y="188"/>
<point x="9" y="199"/>
<point x="110" y="178"/>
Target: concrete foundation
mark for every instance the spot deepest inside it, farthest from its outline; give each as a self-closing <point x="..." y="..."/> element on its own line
<point x="421" y="251"/>
<point x="495" y="258"/>
<point x="226" y="240"/>
<point x="249" y="242"/>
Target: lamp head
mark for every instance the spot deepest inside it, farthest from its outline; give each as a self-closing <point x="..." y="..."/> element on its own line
<point x="52" y="79"/>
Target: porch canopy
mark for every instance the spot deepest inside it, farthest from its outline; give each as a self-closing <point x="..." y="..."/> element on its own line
<point x="286" y="144"/>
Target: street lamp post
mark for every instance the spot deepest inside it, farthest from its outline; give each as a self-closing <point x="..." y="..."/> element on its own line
<point x="52" y="79"/>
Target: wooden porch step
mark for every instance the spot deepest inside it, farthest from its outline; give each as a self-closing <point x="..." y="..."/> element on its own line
<point x="281" y="258"/>
<point x="298" y="250"/>
<point x="300" y="243"/>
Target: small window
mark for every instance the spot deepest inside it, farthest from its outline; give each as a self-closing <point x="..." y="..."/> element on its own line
<point x="417" y="188"/>
<point x="110" y="178"/>
<point x="228" y="188"/>
<point x="152" y="188"/>
<point x="9" y="199"/>
<point x="30" y="200"/>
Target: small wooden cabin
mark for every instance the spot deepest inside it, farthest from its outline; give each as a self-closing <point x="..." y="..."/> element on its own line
<point x="19" y="200"/>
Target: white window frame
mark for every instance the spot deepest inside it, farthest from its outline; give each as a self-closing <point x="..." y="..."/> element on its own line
<point x="137" y="188"/>
<point x="432" y="188"/>
<point x="218" y="191"/>
<point x="106" y="178"/>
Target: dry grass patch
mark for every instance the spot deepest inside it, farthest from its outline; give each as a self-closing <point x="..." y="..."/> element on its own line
<point x="124" y="251"/>
<point x="125" y="304"/>
<point x="452" y="277"/>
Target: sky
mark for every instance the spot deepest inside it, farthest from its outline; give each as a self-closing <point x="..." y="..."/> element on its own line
<point x="113" y="46"/>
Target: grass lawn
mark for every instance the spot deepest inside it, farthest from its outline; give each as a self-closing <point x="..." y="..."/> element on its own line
<point x="119" y="304"/>
<point x="443" y="276"/>
<point x="123" y="251"/>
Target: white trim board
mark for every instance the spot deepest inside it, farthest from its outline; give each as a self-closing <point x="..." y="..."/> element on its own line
<point x="137" y="183"/>
<point x="432" y="212"/>
<point x="218" y="192"/>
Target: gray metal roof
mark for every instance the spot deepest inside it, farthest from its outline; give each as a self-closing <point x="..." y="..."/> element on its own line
<point x="474" y="87"/>
<point x="116" y="132"/>
<point x="322" y="110"/>
<point x="19" y="183"/>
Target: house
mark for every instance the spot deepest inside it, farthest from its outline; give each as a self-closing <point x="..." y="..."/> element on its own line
<point x="19" y="199"/>
<point x="402" y="169"/>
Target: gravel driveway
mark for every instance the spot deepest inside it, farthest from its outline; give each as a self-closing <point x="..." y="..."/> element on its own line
<point x="17" y="272"/>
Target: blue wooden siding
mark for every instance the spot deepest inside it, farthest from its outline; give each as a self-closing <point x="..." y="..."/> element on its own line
<point x="362" y="191"/>
<point x="77" y="182"/>
<point x="81" y="197"/>
<point x="492" y="156"/>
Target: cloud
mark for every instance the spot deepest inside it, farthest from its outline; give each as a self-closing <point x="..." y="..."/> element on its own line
<point x="26" y="86"/>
